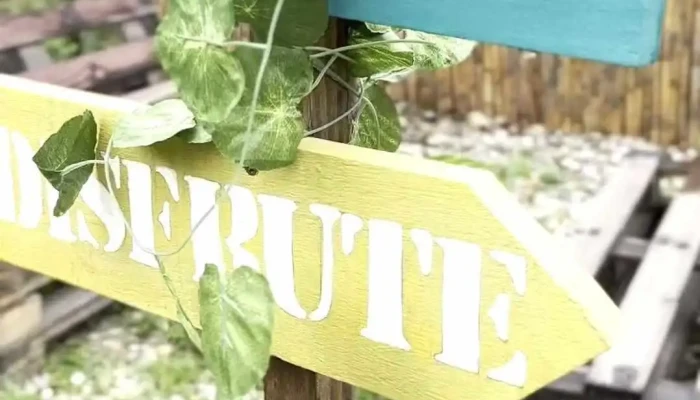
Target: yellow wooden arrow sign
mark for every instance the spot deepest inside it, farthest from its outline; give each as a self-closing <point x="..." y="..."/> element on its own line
<point x="408" y="277"/>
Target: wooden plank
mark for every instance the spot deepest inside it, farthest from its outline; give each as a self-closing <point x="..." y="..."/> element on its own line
<point x="35" y="57"/>
<point x="134" y="31"/>
<point x="27" y="29"/>
<point x="668" y="389"/>
<point x="593" y="235"/>
<point x="67" y="308"/>
<point x="19" y="323"/>
<point x="694" y="100"/>
<point x="154" y="93"/>
<point x="621" y="31"/>
<point x="403" y="209"/>
<point x="652" y="300"/>
<point x="668" y="74"/>
<point x="31" y="285"/>
<point x="90" y="70"/>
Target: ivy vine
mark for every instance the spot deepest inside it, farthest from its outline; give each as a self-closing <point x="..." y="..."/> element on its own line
<point x="244" y="98"/>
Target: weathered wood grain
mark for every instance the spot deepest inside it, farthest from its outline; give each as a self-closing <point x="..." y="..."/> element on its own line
<point x="557" y="306"/>
<point x="593" y="235"/>
<point x="28" y="29"/>
<point x="652" y="300"/>
<point x="93" y="69"/>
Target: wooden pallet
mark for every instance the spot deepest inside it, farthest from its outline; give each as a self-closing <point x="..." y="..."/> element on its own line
<point x="122" y="67"/>
<point x="34" y="310"/>
<point x="644" y="250"/>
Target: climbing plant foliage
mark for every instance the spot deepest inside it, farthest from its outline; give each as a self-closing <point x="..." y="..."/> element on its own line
<point x="244" y="98"/>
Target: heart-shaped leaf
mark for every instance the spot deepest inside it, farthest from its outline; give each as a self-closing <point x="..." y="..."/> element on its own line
<point x="382" y="60"/>
<point x="209" y="78"/>
<point x="74" y="142"/>
<point x="197" y="135"/>
<point x="301" y="22"/>
<point x="441" y="53"/>
<point x="152" y="124"/>
<point x="376" y="28"/>
<point x="279" y="125"/>
<point x="378" y="125"/>
<point x="237" y="315"/>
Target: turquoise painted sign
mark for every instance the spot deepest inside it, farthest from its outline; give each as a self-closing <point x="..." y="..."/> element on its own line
<point x="624" y="32"/>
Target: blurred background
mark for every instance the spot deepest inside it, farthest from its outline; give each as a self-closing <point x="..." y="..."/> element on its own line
<point x="553" y="129"/>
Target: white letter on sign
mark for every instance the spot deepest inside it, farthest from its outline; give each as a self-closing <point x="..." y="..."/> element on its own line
<point x="514" y="372"/>
<point x="328" y="215"/>
<point x="141" y="209"/>
<point x="170" y="177"/>
<point x="98" y="199"/>
<point x="461" y="293"/>
<point x="30" y="184"/>
<point x="385" y="293"/>
<point x="7" y="187"/>
<point x="278" y="252"/>
<point x="244" y="226"/>
<point x="206" y="240"/>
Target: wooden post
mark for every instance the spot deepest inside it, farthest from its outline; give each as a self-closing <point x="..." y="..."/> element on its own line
<point x="285" y="381"/>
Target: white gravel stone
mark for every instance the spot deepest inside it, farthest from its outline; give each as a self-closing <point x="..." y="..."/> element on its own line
<point x="47" y="394"/>
<point x="78" y="378"/>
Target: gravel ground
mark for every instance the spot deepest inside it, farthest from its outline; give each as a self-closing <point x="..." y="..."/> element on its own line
<point x="131" y="355"/>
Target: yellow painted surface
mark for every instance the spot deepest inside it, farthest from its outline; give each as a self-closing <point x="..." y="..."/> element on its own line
<point x="563" y="320"/>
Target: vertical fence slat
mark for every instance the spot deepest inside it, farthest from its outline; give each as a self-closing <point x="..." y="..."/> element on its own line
<point x="634" y="103"/>
<point x="694" y="106"/>
<point x="669" y="92"/>
<point x="528" y="89"/>
<point x="443" y="91"/>
<point x="563" y="90"/>
<point x="463" y="81"/>
<point x="478" y="63"/>
<point x="684" y="57"/>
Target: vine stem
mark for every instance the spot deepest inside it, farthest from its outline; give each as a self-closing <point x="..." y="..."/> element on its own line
<point x="339" y="80"/>
<point x="190" y="329"/>
<point x="226" y="45"/>
<point x="322" y="73"/>
<point x="79" y="165"/>
<point x="321" y="48"/>
<point x="369" y="44"/>
<point x="259" y="46"/>
<point x="261" y="73"/>
<point x="354" y="107"/>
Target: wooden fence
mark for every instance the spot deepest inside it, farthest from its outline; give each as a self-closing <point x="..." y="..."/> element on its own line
<point x="660" y="102"/>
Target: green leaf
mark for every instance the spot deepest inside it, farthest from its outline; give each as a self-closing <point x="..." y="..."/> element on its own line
<point x="74" y="142"/>
<point x="378" y="125"/>
<point x="382" y="60"/>
<point x="197" y="135"/>
<point x="301" y="22"/>
<point x="208" y="77"/>
<point x="444" y="51"/>
<point x="279" y="125"/>
<point x="237" y="315"/>
<point x="376" y="28"/>
<point x="153" y="124"/>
